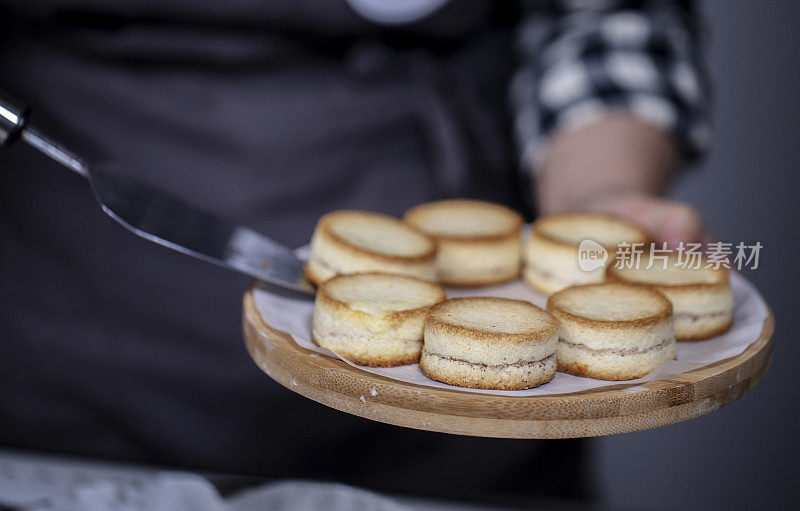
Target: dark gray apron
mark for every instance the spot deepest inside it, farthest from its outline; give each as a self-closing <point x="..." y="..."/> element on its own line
<point x="270" y="113"/>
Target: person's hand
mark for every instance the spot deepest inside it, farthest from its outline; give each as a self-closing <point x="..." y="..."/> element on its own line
<point x="667" y="220"/>
<point x="618" y="164"/>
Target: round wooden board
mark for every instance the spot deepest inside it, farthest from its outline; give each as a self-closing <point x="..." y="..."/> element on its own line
<point x="603" y="411"/>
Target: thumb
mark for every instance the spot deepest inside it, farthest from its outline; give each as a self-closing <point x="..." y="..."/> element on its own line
<point x="667" y="220"/>
<point x="674" y="222"/>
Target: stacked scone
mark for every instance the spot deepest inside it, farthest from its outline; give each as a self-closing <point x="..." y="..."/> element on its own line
<point x="490" y="343"/>
<point x="379" y="302"/>
<point x="374" y="319"/>
<point x="478" y="243"/>
<point x="349" y="241"/>
<point x="612" y="331"/>
<point x="700" y="293"/>
<point x="552" y="256"/>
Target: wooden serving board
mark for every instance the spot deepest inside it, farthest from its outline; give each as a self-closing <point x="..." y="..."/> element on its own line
<point x="596" y="412"/>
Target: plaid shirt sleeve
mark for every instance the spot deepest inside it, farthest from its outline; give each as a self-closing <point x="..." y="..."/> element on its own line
<point x="581" y="58"/>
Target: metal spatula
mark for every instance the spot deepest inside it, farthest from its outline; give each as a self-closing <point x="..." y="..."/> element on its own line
<point x="162" y="218"/>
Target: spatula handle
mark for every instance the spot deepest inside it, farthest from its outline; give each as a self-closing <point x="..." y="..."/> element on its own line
<point x="13" y="118"/>
<point x="13" y="115"/>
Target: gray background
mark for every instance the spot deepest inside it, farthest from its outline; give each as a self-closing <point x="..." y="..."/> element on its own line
<point x="744" y="456"/>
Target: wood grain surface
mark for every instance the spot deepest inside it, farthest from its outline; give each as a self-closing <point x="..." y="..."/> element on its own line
<point x="602" y="411"/>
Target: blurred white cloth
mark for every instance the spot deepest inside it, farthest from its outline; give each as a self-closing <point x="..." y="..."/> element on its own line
<point x="34" y="483"/>
<point x="291" y="495"/>
<point x="188" y="492"/>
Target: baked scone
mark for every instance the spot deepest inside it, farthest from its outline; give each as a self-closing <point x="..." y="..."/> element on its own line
<point x="551" y="256"/>
<point x="490" y="343"/>
<point x="701" y="298"/>
<point x="374" y="319"/>
<point x="477" y="242"/>
<point x="351" y="241"/>
<point x="612" y="331"/>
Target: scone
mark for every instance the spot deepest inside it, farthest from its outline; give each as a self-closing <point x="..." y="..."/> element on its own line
<point x="350" y="241"/>
<point x="374" y="319"/>
<point x="551" y="256"/>
<point x="612" y="331"/>
<point x="477" y="242"/>
<point x="701" y="298"/>
<point x="490" y="343"/>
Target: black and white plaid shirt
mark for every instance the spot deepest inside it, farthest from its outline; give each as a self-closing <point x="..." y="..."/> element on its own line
<point x="582" y="58"/>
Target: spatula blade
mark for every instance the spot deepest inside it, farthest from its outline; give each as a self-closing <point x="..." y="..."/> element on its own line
<point x="169" y="221"/>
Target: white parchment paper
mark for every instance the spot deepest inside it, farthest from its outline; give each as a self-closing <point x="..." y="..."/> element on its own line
<point x="294" y="317"/>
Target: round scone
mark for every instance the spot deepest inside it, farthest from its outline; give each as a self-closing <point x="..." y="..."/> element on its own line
<point x="477" y="242"/>
<point x="701" y="297"/>
<point x="490" y="343"/>
<point x="612" y="331"/>
<point x="374" y="319"/>
<point x="552" y="253"/>
<point x="351" y="241"/>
